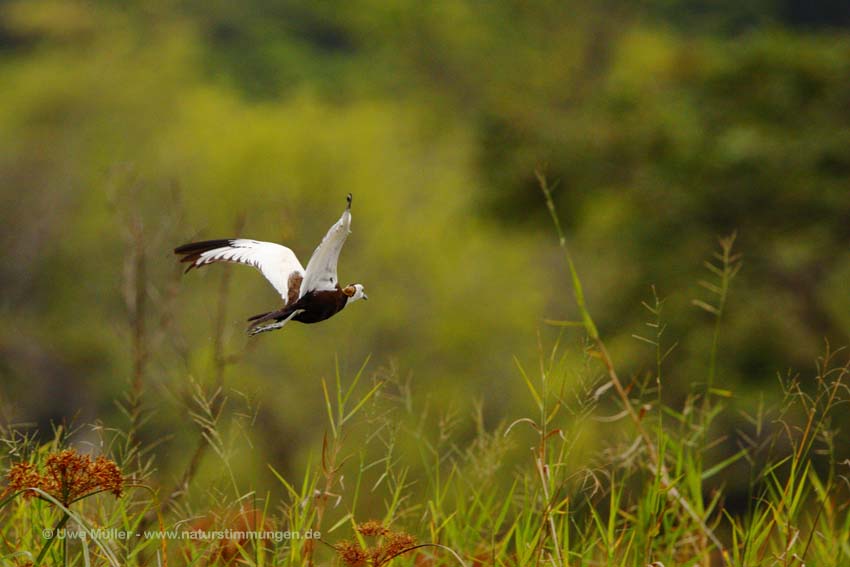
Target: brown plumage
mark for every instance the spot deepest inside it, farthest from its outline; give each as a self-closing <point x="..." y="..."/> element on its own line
<point x="315" y="306"/>
<point x="295" y="279"/>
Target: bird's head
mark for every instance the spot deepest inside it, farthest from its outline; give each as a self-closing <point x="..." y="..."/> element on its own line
<point x="354" y="292"/>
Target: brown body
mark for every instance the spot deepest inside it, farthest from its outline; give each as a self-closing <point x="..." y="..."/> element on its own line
<point x="319" y="305"/>
<point x="315" y="306"/>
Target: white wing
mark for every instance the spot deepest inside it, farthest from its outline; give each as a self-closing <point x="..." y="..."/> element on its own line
<point x="320" y="274"/>
<point x="277" y="263"/>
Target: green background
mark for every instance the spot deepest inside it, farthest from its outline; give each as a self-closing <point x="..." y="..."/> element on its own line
<point x="128" y="128"/>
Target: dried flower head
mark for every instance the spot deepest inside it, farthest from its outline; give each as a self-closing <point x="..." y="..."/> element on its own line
<point x="352" y="554"/>
<point x="68" y="476"/>
<point x="23" y="475"/>
<point x="396" y="543"/>
<point x="372" y="528"/>
<point x="388" y="545"/>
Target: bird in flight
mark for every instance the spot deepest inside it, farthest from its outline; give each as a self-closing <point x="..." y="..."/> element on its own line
<point x="309" y="295"/>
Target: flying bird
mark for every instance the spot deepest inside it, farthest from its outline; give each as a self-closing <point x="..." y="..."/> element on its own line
<point x="309" y="295"/>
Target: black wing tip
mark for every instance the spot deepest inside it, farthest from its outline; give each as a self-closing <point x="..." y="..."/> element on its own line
<point x="348" y="199"/>
<point x="203" y="246"/>
<point x="192" y="251"/>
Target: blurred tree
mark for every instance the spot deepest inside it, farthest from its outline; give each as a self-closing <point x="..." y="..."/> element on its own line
<point x="667" y="124"/>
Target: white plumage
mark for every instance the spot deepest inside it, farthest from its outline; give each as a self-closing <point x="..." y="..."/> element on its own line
<point x="320" y="274"/>
<point x="309" y="295"/>
<point x="277" y="263"/>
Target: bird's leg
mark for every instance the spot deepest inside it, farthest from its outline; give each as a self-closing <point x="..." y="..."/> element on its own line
<point x="257" y="329"/>
<point x="264" y="328"/>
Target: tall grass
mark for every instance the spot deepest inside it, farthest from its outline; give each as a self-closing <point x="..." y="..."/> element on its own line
<point x="596" y="470"/>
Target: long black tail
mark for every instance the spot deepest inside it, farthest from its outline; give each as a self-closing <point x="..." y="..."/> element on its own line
<point x="262" y="316"/>
<point x="278" y="315"/>
<point x="191" y="252"/>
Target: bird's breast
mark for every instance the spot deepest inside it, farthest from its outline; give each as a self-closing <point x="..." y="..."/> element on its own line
<point x="320" y="305"/>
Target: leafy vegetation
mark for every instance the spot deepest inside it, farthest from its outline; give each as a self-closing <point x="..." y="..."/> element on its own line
<point x="638" y="501"/>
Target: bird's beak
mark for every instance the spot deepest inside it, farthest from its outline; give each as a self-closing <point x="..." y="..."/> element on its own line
<point x="365" y="296"/>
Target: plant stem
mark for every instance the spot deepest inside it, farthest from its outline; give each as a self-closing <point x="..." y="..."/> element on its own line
<point x="657" y="467"/>
<point x="43" y="553"/>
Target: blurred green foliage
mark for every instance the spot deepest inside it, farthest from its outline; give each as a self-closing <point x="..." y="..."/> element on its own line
<point x="666" y="125"/>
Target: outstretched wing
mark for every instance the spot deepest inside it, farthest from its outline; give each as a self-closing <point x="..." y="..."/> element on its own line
<point x="277" y="263"/>
<point x="320" y="274"/>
